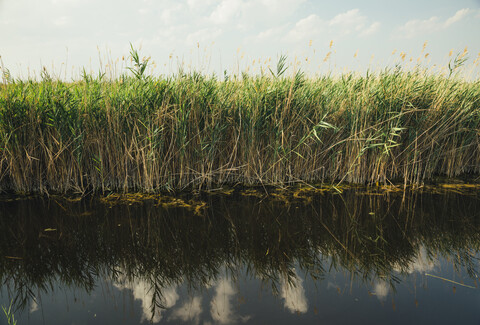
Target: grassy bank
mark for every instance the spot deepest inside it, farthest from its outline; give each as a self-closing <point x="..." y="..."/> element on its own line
<point x="192" y="130"/>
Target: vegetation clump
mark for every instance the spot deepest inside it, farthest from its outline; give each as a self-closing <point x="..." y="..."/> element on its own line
<point x="147" y="134"/>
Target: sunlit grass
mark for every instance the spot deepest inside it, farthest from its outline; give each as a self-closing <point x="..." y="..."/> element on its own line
<point x="278" y="126"/>
<point x="10" y="317"/>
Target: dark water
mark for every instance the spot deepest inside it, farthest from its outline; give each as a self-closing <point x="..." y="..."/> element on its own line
<point x="331" y="259"/>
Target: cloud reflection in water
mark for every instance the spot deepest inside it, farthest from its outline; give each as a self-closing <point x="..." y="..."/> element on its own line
<point x="190" y="311"/>
<point x="142" y="290"/>
<point x="293" y="294"/>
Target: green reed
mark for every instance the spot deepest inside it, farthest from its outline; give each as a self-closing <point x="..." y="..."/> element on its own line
<point x="10" y="317"/>
<point x="191" y="130"/>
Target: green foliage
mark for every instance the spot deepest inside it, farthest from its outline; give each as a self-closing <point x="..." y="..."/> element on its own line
<point x="139" y="66"/>
<point x="192" y="130"/>
<point x="9" y="315"/>
<point x="459" y="61"/>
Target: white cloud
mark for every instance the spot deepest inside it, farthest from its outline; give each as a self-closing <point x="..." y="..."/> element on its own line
<point x="353" y="21"/>
<point x="143" y="291"/>
<point x="293" y="294"/>
<point x="381" y="290"/>
<point x="371" y="29"/>
<point x="61" y="21"/>
<point x="203" y="35"/>
<point x="279" y="8"/>
<point x="267" y="34"/>
<point x="171" y="14"/>
<point x="418" y="27"/>
<point x="247" y="15"/>
<point x="281" y="4"/>
<point x="459" y="15"/>
<point x="221" y="305"/>
<point x="168" y="38"/>
<point x="33" y="306"/>
<point x="421" y="263"/>
<point x="306" y="28"/>
<point x="351" y="17"/>
<point x="349" y="22"/>
<point x="62" y="2"/>
<point x="190" y="312"/>
<point x="414" y="27"/>
<point x="225" y="11"/>
<point x="194" y="4"/>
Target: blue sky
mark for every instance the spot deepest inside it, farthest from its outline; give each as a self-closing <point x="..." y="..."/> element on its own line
<point x="232" y="35"/>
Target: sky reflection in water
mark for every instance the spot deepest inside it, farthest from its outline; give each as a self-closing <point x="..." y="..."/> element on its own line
<point x="336" y="259"/>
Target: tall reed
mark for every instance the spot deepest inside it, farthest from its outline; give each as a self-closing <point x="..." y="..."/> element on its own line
<point x="196" y="131"/>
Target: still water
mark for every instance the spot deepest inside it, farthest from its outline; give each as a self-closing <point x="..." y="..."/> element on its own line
<point x="244" y="258"/>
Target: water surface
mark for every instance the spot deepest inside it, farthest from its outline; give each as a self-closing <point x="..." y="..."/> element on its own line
<point x="243" y="258"/>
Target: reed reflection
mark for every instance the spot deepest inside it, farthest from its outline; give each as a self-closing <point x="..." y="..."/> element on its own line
<point x="153" y="251"/>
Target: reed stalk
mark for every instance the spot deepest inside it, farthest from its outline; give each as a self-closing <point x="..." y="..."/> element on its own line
<point x="196" y="131"/>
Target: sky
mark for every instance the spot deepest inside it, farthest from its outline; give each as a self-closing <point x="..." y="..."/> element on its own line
<point x="232" y="36"/>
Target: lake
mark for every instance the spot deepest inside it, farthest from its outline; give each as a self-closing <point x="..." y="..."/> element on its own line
<point x="243" y="256"/>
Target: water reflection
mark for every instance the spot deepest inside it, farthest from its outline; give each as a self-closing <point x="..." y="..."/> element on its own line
<point x="179" y="266"/>
<point x="422" y="262"/>
<point x="381" y="289"/>
<point x="221" y="308"/>
<point x="189" y="312"/>
<point x="293" y="293"/>
<point x="33" y="305"/>
<point x="142" y="291"/>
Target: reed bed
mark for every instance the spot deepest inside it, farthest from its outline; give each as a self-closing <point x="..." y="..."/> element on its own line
<point x="191" y="130"/>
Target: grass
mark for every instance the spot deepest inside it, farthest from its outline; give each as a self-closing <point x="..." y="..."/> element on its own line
<point x="190" y="130"/>
<point x="10" y="317"/>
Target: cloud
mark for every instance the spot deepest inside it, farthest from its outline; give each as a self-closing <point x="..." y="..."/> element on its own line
<point x="61" y="21"/>
<point x="203" y="35"/>
<point x="170" y="15"/>
<point x="351" y="17"/>
<point x="225" y="11"/>
<point x="221" y="304"/>
<point x="381" y="290"/>
<point x="63" y="2"/>
<point x="421" y="263"/>
<point x="371" y="29"/>
<point x="268" y="34"/>
<point x="353" y="21"/>
<point x="33" y="306"/>
<point x="246" y="15"/>
<point x="276" y="5"/>
<point x="346" y="23"/>
<point x="417" y="27"/>
<point x="414" y="27"/>
<point x="293" y="293"/>
<point x="459" y="15"/>
<point x="310" y="25"/>
<point x="142" y="290"/>
<point x="190" y="312"/>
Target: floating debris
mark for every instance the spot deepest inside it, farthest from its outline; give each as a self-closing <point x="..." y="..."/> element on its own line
<point x="448" y="280"/>
<point x="164" y="201"/>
